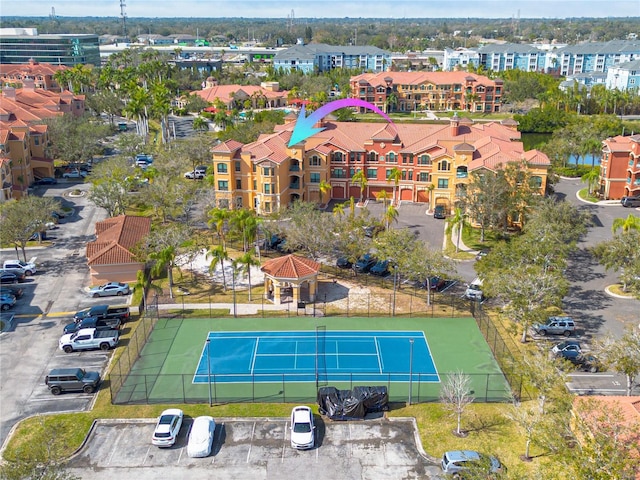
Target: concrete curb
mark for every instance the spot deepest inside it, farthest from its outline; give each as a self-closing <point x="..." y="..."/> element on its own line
<point x="608" y="291"/>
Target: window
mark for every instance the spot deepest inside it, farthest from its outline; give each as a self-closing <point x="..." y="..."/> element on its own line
<point x="338" y="157"/>
<point x="254" y="168"/>
<point x="315" y="161"/>
<point x="387" y="173"/>
<point x="255" y="185"/>
<point x="372" y="156"/>
<point x="443" y="183"/>
<point x="372" y="172"/>
<point x="536" y="181"/>
<point x="268" y="171"/>
<point x="392" y="158"/>
<point x="267" y="207"/>
<point x="314" y="178"/>
<point x="444" y="166"/>
<point x="223" y="185"/>
<point x="238" y="167"/>
<point x="424" y="160"/>
<point x="238" y="184"/>
<point x="266" y="188"/>
<point x="222" y="168"/>
<point x="423" y="177"/>
<point x="410" y="174"/>
<point x="238" y="202"/>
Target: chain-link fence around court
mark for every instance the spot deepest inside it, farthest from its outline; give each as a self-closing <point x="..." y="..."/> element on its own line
<point x="128" y="387"/>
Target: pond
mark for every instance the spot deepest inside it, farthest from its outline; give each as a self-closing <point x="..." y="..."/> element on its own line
<point x="537" y="140"/>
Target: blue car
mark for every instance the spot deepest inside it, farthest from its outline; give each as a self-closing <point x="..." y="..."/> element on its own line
<point x="381" y="268"/>
<point x="364" y="264"/>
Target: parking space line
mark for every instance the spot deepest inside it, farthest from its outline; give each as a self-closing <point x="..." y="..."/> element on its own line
<point x="146" y="455"/>
<point x="253" y="430"/>
<point x="317" y="454"/>
<point x="115" y="447"/>
<point x="350" y="452"/>
<point x="180" y="456"/>
<point x="284" y="444"/>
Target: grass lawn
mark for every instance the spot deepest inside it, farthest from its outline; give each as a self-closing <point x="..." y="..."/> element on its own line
<point x="585" y="195"/>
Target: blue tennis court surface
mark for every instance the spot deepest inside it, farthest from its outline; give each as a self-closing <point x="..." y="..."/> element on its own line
<point x="307" y="356"/>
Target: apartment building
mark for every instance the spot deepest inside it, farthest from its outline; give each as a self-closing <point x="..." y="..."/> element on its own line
<point x="23" y="137"/>
<point x="409" y="91"/>
<point x="514" y="56"/>
<point x="596" y="56"/>
<point x="620" y="167"/>
<point x="319" y="57"/>
<point x="434" y="161"/>
<point x="41" y="74"/>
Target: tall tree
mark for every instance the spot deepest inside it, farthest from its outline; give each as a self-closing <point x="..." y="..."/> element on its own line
<point x="246" y="261"/>
<point x="455" y="394"/>
<point x="395" y="175"/>
<point x="324" y="187"/>
<point x="625" y="224"/>
<point x="218" y="255"/>
<point x="623" y="354"/>
<point x="456" y="223"/>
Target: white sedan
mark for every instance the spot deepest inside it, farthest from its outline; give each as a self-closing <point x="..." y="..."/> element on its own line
<point x="109" y="290"/>
<point x="167" y="428"/>
<point x="302" y="428"/>
<point x="201" y="437"/>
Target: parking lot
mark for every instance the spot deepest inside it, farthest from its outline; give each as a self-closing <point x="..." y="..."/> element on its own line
<point x="258" y="449"/>
<point x="30" y="349"/>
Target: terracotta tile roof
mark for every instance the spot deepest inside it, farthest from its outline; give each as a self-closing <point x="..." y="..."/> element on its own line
<point x="33" y="69"/>
<point x="493" y="144"/>
<point x="291" y="266"/>
<point x="418" y="78"/>
<point x="228" y="146"/>
<point x="116" y="237"/>
<point x="618" y="143"/>
<point x="224" y="92"/>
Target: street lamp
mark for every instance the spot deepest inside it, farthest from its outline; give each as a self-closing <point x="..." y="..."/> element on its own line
<point x="410" y="368"/>
<point x="209" y="370"/>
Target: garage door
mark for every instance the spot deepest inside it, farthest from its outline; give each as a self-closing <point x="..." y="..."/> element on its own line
<point x="423" y="196"/>
<point x="337" y="193"/>
<point x="406" y="194"/>
<point x="355" y="192"/>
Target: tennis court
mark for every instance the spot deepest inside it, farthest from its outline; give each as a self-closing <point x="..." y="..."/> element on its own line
<point x="287" y="359"/>
<point x="320" y="355"/>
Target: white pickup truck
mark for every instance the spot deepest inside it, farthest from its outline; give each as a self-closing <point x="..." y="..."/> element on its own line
<point x="89" y="339"/>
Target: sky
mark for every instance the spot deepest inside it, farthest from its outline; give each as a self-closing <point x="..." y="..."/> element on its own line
<point x="326" y="8"/>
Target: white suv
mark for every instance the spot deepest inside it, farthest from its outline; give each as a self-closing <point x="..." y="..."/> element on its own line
<point x="18" y="266"/>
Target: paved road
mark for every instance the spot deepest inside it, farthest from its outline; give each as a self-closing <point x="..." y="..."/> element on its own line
<point x="598" y="313"/>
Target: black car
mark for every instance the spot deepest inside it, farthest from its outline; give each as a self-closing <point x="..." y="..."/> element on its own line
<point x="630" y="201"/>
<point x="46" y="181"/>
<point x="14" y="290"/>
<point x="364" y="264"/>
<point x="8" y="277"/>
<point x="439" y="212"/>
<point x="343" y="262"/>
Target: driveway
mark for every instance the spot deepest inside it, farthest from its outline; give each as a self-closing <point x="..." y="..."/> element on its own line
<point x="254" y="449"/>
<point x="52" y="296"/>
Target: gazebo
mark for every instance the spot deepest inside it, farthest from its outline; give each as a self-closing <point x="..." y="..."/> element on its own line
<point x="291" y="279"/>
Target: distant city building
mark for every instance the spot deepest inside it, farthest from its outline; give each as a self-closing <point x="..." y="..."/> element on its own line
<point x="624" y="76"/>
<point x="596" y="56"/>
<point x="409" y="91"/>
<point x="460" y="58"/>
<point x="19" y="45"/>
<point x="319" y="57"/>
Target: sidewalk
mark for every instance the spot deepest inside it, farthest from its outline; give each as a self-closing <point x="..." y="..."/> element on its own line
<point x="241" y="308"/>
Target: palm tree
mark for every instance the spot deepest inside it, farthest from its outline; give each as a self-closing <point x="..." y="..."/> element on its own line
<point x="630" y="223"/>
<point x="218" y="255"/>
<point x="246" y="223"/>
<point x="217" y="219"/>
<point x="324" y="188"/>
<point x="200" y="124"/>
<point x="359" y="178"/>
<point x="591" y="178"/>
<point x="165" y="258"/>
<point x="394" y="176"/>
<point x="383" y="196"/>
<point x="338" y="209"/>
<point x="390" y="215"/>
<point x="248" y="260"/>
<point x="457" y="222"/>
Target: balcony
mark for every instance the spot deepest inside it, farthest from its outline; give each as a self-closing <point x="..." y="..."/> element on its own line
<point x="294" y="186"/>
<point x="338" y="175"/>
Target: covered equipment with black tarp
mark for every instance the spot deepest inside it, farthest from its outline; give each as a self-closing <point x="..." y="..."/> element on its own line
<point x="352" y="404"/>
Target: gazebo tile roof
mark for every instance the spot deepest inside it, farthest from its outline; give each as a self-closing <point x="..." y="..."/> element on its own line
<point x="291" y="266"/>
